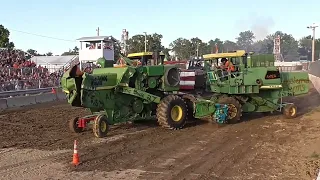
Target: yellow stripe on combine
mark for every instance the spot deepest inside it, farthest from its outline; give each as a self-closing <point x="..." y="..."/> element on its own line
<point x="238" y="53"/>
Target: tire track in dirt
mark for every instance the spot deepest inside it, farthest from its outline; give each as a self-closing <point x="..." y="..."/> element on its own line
<point x="138" y="150"/>
<point x="186" y="156"/>
<point x="208" y="163"/>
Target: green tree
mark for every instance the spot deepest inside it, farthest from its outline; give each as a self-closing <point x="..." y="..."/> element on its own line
<point x="137" y="43"/>
<point x="74" y="51"/>
<point x="166" y="53"/>
<point x="33" y="52"/>
<point x="182" y="48"/>
<point x="117" y="50"/>
<point x="49" y="54"/>
<point x="197" y="47"/>
<point x="229" y="46"/>
<point x="263" y="46"/>
<point x="245" y="40"/>
<point x="305" y="47"/>
<point x="211" y="46"/>
<point x="4" y="38"/>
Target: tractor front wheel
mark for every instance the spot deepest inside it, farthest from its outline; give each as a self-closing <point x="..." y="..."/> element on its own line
<point x="234" y="109"/>
<point x="73" y="125"/>
<point x="290" y="111"/>
<point x="172" y="112"/>
<point x="100" y="126"/>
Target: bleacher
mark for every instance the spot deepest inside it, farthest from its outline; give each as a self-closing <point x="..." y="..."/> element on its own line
<point x="17" y="72"/>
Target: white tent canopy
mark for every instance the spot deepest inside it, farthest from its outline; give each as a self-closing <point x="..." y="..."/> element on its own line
<point x="53" y="63"/>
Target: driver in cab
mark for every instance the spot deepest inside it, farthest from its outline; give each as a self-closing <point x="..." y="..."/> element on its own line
<point x="227" y="66"/>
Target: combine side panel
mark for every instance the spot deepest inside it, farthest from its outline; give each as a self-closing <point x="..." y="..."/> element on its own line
<point x="295" y="83"/>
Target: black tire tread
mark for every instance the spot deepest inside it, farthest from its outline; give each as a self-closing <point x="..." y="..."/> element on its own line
<point x="162" y="112"/>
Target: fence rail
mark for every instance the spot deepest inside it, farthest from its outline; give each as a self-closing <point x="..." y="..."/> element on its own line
<point x="6" y="94"/>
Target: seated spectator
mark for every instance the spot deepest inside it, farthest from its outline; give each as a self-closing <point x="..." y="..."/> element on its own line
<point x="18" y="73"/>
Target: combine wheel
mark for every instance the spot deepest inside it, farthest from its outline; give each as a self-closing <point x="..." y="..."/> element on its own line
<point x="100" y="126"/>
<point x="73" y="125"/>
<point x="172" y="112"/>
<point x="234" y="109"/>
<point x="290" y="111"/>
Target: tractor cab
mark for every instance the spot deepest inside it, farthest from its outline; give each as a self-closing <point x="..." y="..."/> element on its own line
<point x="196" y="63"/>
<point x="147" y="58"/>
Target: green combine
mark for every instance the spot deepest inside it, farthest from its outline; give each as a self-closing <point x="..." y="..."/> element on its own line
<point x="204" y="90"/>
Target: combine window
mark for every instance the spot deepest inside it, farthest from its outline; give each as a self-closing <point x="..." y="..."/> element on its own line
<point x="272" y="75"/>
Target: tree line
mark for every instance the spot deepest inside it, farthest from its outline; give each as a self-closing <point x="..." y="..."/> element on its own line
<point x="182" y="48"/>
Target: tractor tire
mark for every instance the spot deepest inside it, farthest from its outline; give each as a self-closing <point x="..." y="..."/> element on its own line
<point x="234" y="109"/>
<point x="73" y="125"/>
<point x="172" y="112"/>
<point x="100" y="126"/>
<point x="290" y="111"/>
<point x="190" y="102"/>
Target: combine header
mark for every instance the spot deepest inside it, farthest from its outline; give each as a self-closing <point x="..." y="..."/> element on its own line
<point x="137" y="91"/>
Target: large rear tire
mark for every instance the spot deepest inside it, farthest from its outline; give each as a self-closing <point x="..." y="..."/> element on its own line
<point x="234" y="109"/>
<point x="172" y="112"/>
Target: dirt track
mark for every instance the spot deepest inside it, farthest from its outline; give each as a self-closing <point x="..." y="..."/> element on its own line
<point x="35" y="143"/>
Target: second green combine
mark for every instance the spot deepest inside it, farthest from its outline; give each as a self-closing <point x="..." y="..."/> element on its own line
<point x="219" y="86"/>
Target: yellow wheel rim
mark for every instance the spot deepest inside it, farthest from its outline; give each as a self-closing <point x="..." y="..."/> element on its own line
<point x="293" y="111"/>
<point x="103" y="126"/>
<point x="232" y="111"/>
<point x="176" y="113"/>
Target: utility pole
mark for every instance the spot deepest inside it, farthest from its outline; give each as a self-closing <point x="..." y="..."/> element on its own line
<point x="313" y="28"/>
<point x="98" y="31"/>
<point x="145" y="41"/>
<point x="197" y="51"/>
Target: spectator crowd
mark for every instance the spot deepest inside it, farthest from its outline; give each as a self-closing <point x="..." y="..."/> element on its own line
<point x="19" y="73"/>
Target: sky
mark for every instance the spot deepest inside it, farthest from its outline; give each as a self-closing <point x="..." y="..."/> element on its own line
<point x="207" y="19"/>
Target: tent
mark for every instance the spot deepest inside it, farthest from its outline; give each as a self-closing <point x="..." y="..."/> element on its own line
<point x="54" y="63"/>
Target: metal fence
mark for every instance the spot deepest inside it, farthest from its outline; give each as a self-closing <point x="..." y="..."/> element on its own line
<point x="28" y="78"/>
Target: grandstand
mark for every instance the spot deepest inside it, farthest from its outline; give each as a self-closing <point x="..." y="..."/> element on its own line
<point x="17" y="72"/>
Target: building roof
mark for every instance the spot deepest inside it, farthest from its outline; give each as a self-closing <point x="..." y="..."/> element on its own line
<point x="96" y="38"/>
<point x="53" y="59"/>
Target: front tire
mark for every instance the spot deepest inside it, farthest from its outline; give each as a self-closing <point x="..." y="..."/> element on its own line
<point x="172" y="112"/>
<point x="290" y="111"/>
<point x="100" y="126"/>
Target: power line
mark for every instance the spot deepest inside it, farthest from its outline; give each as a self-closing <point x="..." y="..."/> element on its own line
<point x="42" y="35"/>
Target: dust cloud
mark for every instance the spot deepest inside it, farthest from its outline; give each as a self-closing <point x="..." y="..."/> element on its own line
<point x="261" y="27"/>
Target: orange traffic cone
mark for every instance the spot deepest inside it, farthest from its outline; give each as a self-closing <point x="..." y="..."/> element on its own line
<point x="75" y="160"/>
<point x="53" y="91"/>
